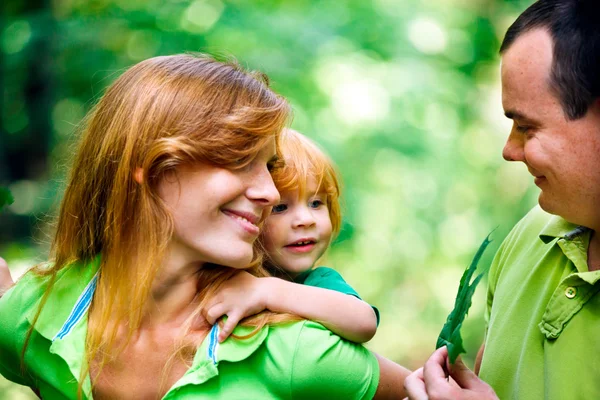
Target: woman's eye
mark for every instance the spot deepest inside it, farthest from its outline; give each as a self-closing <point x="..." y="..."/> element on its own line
<point x="279" y="208"/>
<point x="315" y="203"/>
<point x="275" y="165"/>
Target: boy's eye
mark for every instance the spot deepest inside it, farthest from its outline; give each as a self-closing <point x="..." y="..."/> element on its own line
<point x="279" y="208"/>
<point x="315" y="203"/>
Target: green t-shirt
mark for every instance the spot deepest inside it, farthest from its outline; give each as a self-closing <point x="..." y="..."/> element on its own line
<point x="543" y="314"/>
<point x="327" y="278"/>
<point x="292" y="361"/>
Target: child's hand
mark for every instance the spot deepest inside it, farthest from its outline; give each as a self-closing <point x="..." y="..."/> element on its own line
<point x="6" y="281"/>
<point x="241" y="296"/>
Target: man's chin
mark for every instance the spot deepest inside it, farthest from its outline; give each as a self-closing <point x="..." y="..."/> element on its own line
<point x="548" y="206"/>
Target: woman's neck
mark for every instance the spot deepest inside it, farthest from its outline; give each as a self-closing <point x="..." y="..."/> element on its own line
<point x="174" y="293"/>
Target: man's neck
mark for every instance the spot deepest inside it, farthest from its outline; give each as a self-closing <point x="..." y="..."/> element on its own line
<point x="594" y="252"/>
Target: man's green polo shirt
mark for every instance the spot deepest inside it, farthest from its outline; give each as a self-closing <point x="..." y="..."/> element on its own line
<point x="543" y="333"/>
<point x="293" y="361"/>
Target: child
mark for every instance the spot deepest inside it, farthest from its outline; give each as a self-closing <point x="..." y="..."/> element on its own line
<point x="295" y="236"/>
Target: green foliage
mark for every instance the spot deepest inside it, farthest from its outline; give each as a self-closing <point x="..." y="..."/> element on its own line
<point x="450" y="334"/>
<point x="6" y="197"/>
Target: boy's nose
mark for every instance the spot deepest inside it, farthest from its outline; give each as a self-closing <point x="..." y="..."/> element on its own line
<point x="303" y="217"/>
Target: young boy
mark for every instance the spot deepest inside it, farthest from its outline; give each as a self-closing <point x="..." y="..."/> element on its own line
<point x="295" y="236"/>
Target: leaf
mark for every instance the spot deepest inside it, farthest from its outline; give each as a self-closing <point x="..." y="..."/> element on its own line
<point x="450" y="334"/>
<point x="6" y="197"/>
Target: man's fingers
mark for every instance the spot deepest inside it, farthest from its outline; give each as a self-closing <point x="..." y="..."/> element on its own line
<point x="463" y="375"/>
<point x="415" y="386"/>
<point x="229" y="326"/>
<point x="433" y="371"/>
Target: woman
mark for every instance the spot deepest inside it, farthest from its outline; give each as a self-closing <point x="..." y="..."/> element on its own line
<point x="167" y="194"/>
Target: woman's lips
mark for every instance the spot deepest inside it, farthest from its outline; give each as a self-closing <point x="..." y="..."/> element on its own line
<point x="248" y="226"/>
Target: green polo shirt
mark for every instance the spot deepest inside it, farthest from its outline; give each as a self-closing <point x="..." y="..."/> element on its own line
<point x="295" y="360"/>
<point x="327" y="278"/>
<point x="543" y="312"/>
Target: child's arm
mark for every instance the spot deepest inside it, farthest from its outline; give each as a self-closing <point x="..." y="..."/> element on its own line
<point x="343" y="314"/>
<point x="244" y="295"/>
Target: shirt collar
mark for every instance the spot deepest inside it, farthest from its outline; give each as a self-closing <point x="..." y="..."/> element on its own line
<point x="68" y="301"/>
<point x="558" y="227"/>
<point x="63" y="320"/>
<point x="211" y="353"/>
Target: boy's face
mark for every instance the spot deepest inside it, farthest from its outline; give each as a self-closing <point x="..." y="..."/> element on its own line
<point x="298" y="231"/>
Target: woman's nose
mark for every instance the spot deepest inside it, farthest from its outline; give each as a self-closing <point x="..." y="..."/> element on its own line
<point x="263" y="189"/>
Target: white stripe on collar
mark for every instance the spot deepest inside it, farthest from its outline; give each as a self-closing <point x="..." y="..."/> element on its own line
<point x="213" y="343"/>
<point x="81" y="306"/>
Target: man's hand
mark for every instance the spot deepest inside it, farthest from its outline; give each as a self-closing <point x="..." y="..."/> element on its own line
<point x="241" y="296"/>
<point x="430" y="382"/>
<point x="6" y="281"/>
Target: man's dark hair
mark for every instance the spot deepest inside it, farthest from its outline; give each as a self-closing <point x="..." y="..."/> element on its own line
<point x="574" y="26"/>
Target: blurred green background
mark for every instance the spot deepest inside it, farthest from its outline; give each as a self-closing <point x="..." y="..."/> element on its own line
<point x="404" y="95"/>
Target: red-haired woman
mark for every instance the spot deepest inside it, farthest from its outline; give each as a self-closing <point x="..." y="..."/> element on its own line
<point x="165" y="201"/>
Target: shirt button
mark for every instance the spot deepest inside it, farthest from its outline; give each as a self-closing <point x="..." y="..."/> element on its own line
<point x="571" y="292"/>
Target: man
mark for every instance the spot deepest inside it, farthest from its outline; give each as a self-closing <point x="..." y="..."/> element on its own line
<point x="543" y="331"/>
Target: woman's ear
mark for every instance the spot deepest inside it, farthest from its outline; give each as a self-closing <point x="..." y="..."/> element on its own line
<point x="138" y="175"/>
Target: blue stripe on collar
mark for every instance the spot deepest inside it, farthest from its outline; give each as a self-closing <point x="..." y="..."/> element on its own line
<point x="79" y="310"/>
<point x="212" y="343"/>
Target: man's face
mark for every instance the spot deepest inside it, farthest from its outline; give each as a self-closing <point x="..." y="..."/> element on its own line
<point x="562" y="155"/>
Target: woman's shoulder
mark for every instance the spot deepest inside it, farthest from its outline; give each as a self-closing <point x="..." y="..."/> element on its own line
<point x="315" y="351"/>
<point x="311" y="338"/>
<point x="23" y="296"/>
<point x="58" y="290"/>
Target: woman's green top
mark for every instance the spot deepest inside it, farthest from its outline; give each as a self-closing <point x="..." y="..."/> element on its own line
<point x="290" y="361"/>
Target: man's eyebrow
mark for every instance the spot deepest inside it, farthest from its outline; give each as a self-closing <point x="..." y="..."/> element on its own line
<point x="517" y="115"/>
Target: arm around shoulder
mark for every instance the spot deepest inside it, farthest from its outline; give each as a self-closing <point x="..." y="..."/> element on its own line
<point x="343" y="314"/>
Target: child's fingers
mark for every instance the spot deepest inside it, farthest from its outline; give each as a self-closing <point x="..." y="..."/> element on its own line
<point x="232" y="320"/>
<point x="215" y="312"/>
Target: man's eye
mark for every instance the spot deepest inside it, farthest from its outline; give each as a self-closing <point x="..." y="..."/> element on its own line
<point x="315" y="204"/>
<point x="521" y="128"/>
<point x="279" y="208"/>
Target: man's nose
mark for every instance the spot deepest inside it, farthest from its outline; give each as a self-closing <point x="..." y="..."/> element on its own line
<point x="513" y="149"/>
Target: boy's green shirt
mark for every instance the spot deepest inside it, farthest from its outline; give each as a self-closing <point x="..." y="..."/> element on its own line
<point x="295" y="360"/>
<point x="543" y="314"/>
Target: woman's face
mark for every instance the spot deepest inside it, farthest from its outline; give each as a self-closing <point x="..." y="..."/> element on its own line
<point x="217" y="211"/>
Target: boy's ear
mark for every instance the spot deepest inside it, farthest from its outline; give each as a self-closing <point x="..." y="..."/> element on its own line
<point x="138" y="175"/>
